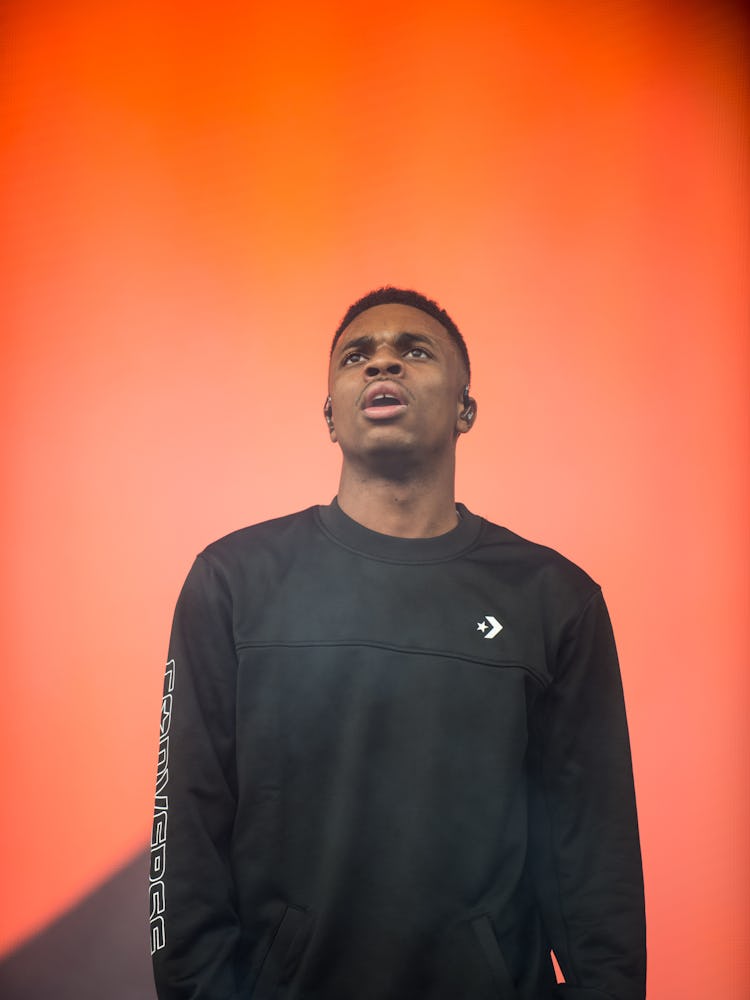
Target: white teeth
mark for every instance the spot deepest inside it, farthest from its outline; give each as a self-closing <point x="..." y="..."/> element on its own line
<point x="384" y="398"/>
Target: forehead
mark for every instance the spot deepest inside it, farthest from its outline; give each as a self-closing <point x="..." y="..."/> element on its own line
<point x="394" y="318"/>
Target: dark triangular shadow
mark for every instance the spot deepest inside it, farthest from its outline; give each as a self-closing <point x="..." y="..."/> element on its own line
<point x="98" y="950"/>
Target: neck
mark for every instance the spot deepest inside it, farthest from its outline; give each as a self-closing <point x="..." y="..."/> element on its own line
<point x="419" y="506"/>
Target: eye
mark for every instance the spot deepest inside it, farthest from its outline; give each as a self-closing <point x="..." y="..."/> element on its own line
<point x="418" y="352"/>
<point x="352" y="358"/>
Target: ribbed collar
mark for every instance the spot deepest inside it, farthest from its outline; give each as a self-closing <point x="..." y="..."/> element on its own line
<point x="352" y="535"/>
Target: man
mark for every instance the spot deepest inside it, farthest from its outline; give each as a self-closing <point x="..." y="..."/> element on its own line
<point x="394" y="760"/>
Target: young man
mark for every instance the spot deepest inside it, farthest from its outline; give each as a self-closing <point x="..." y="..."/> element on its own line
<point x="394" y="759"/>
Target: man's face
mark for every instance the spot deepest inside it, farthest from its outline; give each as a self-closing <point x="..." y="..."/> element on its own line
<point x="396" y="383"/>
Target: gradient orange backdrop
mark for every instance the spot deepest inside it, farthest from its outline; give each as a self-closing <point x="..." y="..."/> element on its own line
<point x="191" y="196"/>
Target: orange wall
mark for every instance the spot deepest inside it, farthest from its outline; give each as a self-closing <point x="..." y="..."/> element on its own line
<point x="191" y="196"/>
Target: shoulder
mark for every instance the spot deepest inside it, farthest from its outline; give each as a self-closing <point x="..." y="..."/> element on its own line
<point x="257" y="543"/>
<point x="532" y="553"/>
<point x="263" y="532"/>
<point x="538" y="568"/>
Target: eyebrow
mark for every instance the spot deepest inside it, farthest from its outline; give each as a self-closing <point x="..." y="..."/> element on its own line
<point x="403" y="340"/>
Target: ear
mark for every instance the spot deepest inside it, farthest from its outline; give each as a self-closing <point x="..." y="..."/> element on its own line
<point x="328" y="415"/>
<point x="467" y="413"/>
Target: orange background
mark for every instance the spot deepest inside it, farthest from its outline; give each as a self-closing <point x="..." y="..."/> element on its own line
<point x="191" y="196"/>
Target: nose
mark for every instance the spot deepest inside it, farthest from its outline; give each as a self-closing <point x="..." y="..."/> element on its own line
<point x="383" y="362"/>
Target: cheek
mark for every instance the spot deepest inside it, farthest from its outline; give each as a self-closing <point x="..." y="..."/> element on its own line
<point x="343" y="400"/>
<point x="339" y="395"/>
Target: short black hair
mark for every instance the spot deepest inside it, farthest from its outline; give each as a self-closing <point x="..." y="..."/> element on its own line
<point x="405" y="297"/>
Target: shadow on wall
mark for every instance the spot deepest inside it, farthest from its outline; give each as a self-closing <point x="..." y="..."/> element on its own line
<point x="97" y="950"/>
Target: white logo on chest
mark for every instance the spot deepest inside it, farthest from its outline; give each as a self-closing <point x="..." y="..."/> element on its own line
<point x="490" y="623"/>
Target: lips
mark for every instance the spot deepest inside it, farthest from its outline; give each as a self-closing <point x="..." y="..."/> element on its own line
<point x="383" y="400"/>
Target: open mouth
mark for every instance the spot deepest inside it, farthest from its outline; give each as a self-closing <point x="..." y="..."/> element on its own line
<point x="382" y="402"/>
<point x="385" y="400"/>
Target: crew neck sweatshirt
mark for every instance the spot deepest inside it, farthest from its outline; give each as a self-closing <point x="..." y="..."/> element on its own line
<point x="393" y="769"/>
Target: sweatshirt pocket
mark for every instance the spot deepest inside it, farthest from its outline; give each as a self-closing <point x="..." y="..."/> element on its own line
<point x="485" y="935"/>
<point x="284" y="954"/>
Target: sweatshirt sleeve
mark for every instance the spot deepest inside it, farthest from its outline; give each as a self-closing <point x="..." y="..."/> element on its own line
<point x="195" y="931"/>
<point x="584" y="828"/>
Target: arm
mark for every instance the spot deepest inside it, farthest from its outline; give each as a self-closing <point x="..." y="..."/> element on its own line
<point x="194" y="926"/>
<point x="584" y="828"/>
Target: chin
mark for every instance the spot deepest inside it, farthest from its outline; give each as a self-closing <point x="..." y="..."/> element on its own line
<point x="376" y="452"/>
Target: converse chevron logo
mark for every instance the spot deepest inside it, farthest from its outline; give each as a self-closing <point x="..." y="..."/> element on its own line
<point x="490" y="623"/>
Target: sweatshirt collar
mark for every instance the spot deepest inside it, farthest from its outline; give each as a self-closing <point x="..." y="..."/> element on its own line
<point x="389" y="548"/>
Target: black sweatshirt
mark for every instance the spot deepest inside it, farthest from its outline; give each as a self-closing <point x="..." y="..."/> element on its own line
<point x="393" y="769"/>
